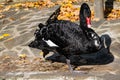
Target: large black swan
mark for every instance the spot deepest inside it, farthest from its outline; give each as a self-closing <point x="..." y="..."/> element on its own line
<point x="67" y="38"/>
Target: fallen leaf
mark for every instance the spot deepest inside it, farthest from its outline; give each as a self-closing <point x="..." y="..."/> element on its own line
<point x="1" y="6"/>
<point x="23" y="56"/>
<point x="2" y="16"/>
<point x="1" y="37"/>
<point x="6" y="35"/>
<point x="11" y="18"/>
<point x="7" y="8"/>
<point x="69" y="12"/>
<point x="41" y="53"/>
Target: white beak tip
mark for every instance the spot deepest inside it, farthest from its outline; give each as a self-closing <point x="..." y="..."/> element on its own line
<point x="89" y="26"/>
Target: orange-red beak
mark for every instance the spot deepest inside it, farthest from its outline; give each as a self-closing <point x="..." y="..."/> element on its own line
<point x="88" y="20"/>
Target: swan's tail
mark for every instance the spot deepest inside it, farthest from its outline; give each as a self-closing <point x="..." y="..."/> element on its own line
<point x="53" y="16"/>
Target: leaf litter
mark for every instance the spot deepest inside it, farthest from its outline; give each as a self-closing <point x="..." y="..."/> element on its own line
<point x="68" y="9"/>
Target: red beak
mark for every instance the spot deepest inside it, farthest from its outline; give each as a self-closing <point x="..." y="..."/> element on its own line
<point x="88" y="22"/>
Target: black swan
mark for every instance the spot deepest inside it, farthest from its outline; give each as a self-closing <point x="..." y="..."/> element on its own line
<point x="67" y="38"/>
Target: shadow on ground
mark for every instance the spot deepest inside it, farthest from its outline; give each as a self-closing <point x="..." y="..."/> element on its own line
<point x="104" y="56"/>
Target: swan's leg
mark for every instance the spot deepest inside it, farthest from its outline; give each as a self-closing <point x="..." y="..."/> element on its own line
<point x="69" y="65"/>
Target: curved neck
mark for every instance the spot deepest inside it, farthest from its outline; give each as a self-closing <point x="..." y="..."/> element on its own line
<point x="85" y="15"/>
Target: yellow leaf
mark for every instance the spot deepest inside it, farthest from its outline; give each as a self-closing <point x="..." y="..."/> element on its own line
<point x="1" y="37"/>
<point x="6" y="35"/>
<point x="22" y="55"/>
<point x="41" y="53"/>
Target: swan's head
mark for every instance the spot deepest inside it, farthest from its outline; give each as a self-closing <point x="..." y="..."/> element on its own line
<point x="85" y="15"/>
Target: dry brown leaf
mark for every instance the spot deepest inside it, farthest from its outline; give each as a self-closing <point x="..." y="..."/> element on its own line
<point x="23" y="56"/>
<point x="7" y="8"/>
<point x="11" y="18"/>
<point x="2" y="16"/>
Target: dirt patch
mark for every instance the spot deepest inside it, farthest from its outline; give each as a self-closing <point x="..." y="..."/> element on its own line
<point x="11" y="64"/>
<point x="17" y="64"/>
